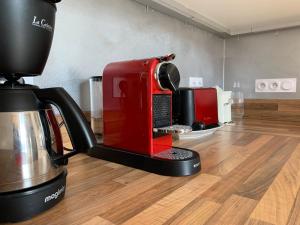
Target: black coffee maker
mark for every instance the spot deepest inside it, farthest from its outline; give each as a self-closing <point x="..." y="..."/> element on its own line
<point x="32" y="159"/>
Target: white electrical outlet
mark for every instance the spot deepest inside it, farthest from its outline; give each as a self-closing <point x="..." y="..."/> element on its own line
<point x="276" y="85"/>
<point x="196" y="82"/>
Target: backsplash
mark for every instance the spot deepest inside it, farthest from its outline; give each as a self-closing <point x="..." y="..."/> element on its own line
<point x="270" y="55"/>
<point x="92" y="33"/>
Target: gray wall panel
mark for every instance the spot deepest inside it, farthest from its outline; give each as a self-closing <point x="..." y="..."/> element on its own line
<point x="265" y="55"/>
<point x="91" y="33"/>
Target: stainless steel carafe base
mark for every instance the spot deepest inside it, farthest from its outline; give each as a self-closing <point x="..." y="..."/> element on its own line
<point x="24" y="158"/>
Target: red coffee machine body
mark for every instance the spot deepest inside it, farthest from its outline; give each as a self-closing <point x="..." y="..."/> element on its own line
<point x="206" y="106"/>
<point x="132" y="98"/>
<point x="137" y="117"/>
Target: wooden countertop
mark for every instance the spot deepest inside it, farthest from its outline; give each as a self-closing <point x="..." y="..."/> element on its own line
<point x="250" y="175"/>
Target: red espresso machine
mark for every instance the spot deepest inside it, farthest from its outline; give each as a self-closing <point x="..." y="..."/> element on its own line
<point x="137" y="117"/>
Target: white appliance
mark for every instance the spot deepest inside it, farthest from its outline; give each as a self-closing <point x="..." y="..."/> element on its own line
<point x="224" y="105"/>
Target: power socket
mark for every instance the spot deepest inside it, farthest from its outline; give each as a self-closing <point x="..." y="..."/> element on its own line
<point x="276" y="85"/>
<point x="195" y="82"/>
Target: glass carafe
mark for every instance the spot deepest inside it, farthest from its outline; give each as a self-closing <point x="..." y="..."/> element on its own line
<point x="238" y="108"/>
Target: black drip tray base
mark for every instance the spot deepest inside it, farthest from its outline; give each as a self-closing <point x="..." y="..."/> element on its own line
<point x="23" y="205"/>
<point x="174" y="162"/>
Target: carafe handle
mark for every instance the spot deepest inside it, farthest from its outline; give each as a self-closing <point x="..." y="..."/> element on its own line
<point x="81" y="134"/>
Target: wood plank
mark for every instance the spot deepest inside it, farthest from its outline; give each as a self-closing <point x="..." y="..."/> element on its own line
<point x="227" y="214"/>
<point x="257" y="222"/>
<point x="256" y="145"/>
<point x="133" y="206"/>
<point x="264" y="128"/>
<point x="294" y="218"/>
<point x="278" y="201"/>
<point x="103" y="203"/>
<point x="266" y="106"/>
<point x="82" y="159"/>
<point x="246" y="139"/>
<point x="270" y="124"/>
<point x="273" y="109"/>
<point x="258" y="183"/>
<point x="173" y="203"/>
<point x="218" y="140"/>
<point x="62" y="213"/>
<point x="215" y="156"/>
<point x="228" y="165"/>
<point x="88" y="165"/>
<point x="247" y="157"/>
<point x="279" y="101"/>
<point x="130" y="177"/>
<point x="81" y="174"/>
<point x="239" y="156"/>
<point x="66" y="138"/>
<point x="230" y="184"/>
<point x="197" y="212"/>
<point x="284" y="107"/>
<point x="88" y="185"/>
<point x="217" y="152"/>
<point x="114" y="165"/>
<point x="98" y="221"/>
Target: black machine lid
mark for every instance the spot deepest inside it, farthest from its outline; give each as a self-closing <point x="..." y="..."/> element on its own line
<point x="168" y="76"/>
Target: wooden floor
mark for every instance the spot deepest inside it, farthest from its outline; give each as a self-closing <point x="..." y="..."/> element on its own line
<point x="250" y="175"/>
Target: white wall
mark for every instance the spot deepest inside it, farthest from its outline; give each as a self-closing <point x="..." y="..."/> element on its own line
<point x="92" y="33"/>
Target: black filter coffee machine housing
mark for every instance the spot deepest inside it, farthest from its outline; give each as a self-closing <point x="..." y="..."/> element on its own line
<point x="32" y="159"/>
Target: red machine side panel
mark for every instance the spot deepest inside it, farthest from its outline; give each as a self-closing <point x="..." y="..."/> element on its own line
<point x="128" y="89"/>
<point x="206" y="105"/>
<point x="126" y="106"/>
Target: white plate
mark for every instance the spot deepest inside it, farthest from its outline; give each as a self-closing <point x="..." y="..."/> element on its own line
<point x="196" y="134"/>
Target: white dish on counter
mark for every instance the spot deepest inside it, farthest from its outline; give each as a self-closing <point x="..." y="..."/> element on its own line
<point x="197" y="134"/>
